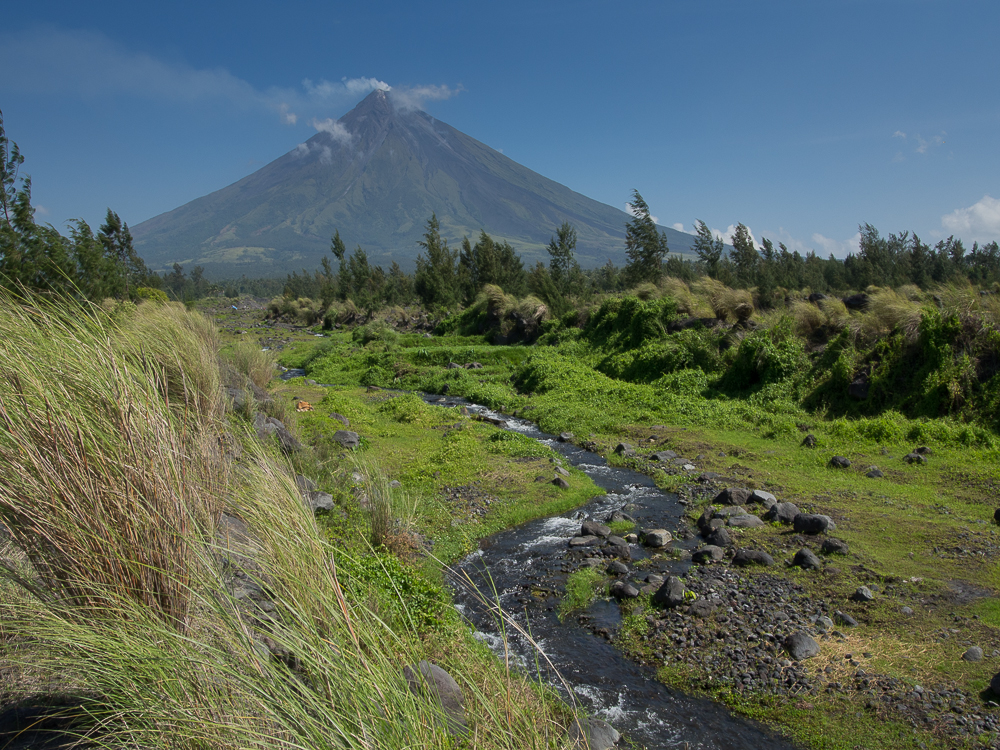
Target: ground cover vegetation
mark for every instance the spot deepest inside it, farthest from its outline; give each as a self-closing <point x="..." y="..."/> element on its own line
<point x="763" y="398"/>
<point x="167" y="581"/>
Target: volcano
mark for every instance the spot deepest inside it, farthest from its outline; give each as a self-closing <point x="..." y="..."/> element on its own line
<point x="376" y="176"/>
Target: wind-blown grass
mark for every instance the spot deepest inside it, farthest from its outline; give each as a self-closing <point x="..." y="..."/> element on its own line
<point x="117" y="458"/>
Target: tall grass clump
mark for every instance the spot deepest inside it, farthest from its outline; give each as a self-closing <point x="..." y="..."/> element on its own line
<point x="187" y="596"/>
<point x="98" y="488"/>
<point x="250" y="359"/>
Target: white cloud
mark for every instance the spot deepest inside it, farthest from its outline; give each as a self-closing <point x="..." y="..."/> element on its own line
<point x="678" y="226"/>
<point x="727" y="236"/>
<point x="89" y="65"/>
<point x="41" y="210"/>
<point x="837" y="248"/>
<point x="979" y="222"/>
<point x="899" y="134"/>
<point x="335" y="129"/>
<point x="822" y="246"/>
<point x="414" y="97"/>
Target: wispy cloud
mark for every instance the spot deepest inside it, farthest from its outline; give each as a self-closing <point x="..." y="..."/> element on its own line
<point x="923" y="144"/>
<point x="979" y="222"/>
<point x="678" y="226"/>
<point x="414" y="97"/>
<point x="335" y="129"/>
<point x="817" y="243"/>
<point x="91" y="66"/>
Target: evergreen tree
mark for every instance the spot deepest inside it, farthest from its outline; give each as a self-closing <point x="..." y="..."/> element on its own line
<point x="339" y="251"/>
<point x="436" y="279"/>
<point x="708" y="248"/>
<point x="744" y="256"/>
<point x="561" y="258"/>
<point x="645" y="247"/>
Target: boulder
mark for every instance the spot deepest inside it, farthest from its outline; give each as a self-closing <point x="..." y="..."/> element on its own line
<point x="670" y="594"/>
<point x="656" y="537"/>
<point x="833" y="546"/>
<point x="923" y="450"/>
<point x="874" y="472"/>
<point x="562" y="472"/>
<point x="995" y="684"/>
<point x="806" y="559"/>
<point x="617" y="541"/>
<point x="859" y="387"/>
<point x="561" y="483"/>
<point x="428" y="680"/>
<point x="863" y="594"/>
<point x="701" y="608"/>
<point x="708" y="554"/>
<point x="810" y="523"/>
<point x="809" y="441"/>
<point x="996" y="516"/>
<point x="759" y="497"/>
<point x="623" y="590"/>
<point x="801" y="646"/>
<point x="856" y="301"/>
<point x="817" y="297"/>
<point x="591" y="733"/>
<point x="340" y="418"/>
<point x="782" y="512"/>
<point x="719" y="538"/>
<point x="974" y="653"/>
<point x="732" y="496"/>
<point x="844" y="620"/>
<point x="745" y="521"/>
<point x="624" y="449"/>
<point x="915" y="458"/>
<point x="662" y="456"/>
<point x="705" y="519"/>
<point x="745" y="557"/>
<point x="592" y="528"/>
<point x="566" y="437"/>
<point x="617" y="568"/>
<point x="347" y="439"/>
<point x="584" y="541"/>
<point x="839" y="462"/>
<point x="319" y="501"/>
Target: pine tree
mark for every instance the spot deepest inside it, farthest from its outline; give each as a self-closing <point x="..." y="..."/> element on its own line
<point x="436" y="280"/>
<point x="645" y="247"/>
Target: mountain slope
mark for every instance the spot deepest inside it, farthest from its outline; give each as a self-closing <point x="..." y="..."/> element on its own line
<point x="376" y="175"/>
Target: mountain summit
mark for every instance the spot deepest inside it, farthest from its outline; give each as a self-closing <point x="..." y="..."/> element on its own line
<point x="376" y="175"/>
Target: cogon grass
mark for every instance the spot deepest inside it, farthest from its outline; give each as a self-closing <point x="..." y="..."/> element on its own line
<point x="112" y="480"/>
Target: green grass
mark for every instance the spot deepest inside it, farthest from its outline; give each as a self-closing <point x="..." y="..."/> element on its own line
<point x="582" y="587"/>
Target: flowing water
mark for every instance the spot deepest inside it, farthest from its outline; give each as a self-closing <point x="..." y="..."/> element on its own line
<point x="524" y="569"/>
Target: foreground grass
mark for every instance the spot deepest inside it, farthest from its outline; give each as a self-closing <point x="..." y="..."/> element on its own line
<point x="119" y="597"/>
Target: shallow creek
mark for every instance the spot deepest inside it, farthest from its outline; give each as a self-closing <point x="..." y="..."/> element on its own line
<point x="524" y="569"/>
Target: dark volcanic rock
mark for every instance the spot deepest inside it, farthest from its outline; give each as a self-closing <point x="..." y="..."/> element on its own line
<point x="833" y="546"/>
<point x="592" y="528"/>
<point x="809" y="441"/>
<point x="745" y="521"/>
<point x="806" y="559"/>
<point x="801" y="646"/>
<point x="745" y="557"/>
<point x="856" y="301"/>
<point x="874" y="473"/>
<point x="624" y="449"/>
<point x="708" y="554"/>
<point x="719" y="538"/>
<point x="347" y="438"/>
<point x="839" y="462"/>
<point x="623" y="590"/>
<point x="430" y="681"/>
<point x="845" y="620"/>
<point x="561" y="483"/>
<point x="701" y="608"/>
<point x="810" y="523"/>
<point x="914" y="458"/>
<point x="591" y="733"/>
<point x="782" y="512"/>
<point x="732" y="496"/>
<point x="863" y="594"/>
<point x="670" y="594"/>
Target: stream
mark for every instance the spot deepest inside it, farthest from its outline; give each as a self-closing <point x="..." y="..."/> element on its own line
<point x="525" y="567"/>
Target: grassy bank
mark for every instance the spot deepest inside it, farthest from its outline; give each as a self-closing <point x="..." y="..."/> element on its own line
<point x="165" y="585"/>
<point x="738" y="397"/>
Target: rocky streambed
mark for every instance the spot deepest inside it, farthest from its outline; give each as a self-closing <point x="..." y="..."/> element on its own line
<point x="731" y="620"/>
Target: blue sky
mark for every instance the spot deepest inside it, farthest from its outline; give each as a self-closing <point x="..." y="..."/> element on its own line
<point x="800" y="119"/>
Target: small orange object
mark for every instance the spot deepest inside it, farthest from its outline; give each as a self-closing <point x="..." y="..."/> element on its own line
<point x="303" y="406"/>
